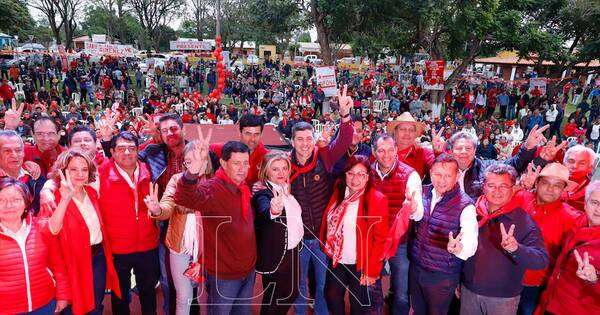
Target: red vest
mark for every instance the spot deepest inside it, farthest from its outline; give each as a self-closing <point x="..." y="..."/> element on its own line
<point x="128" y="230"/>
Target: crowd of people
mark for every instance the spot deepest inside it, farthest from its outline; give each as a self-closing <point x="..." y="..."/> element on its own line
<point x="467" y="210"/>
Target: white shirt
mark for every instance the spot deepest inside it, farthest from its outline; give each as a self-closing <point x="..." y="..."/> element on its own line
<point x="517" y="134"/>
<point x="349" y="233"/>
<point x="468" y="227"/>
<point x="132" y="183"/>
<point x="413" y="184"/>
<point x="88" y="212"/>
<point x="293" y="215"/>
<point x="461" y="178"/>
<point x="20" y="236"/>
<point x="595" y="134"/>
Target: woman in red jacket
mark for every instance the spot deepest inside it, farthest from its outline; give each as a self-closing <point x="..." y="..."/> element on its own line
<point x="83" y="241"/>
<point x="574" y="287"/>
<point x="33" y="279"/>
<point x="353" y="234"/>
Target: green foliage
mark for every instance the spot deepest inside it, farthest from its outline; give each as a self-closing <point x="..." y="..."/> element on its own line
<point x="16" y="19"/>
<point x="126" y="29"/>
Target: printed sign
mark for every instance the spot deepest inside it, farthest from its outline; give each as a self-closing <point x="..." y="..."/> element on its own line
<point x="327" y="80"/>
<point x="109" y="49"/>
<point x="434" y="75"/>
<point x="189" y="45"/>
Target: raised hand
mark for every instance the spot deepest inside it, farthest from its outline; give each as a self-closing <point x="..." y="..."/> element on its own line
<point x="276" y="203"/>
<point x="536" y="137"/>
<point x="528" y="178"/>
<point x="454" y="245"/>
<point x="149" y="127"/>
<point x="344" y="101"/>
<point x="12" y="117"/>
<point x="200" y="153"/>
<point x="326" y="135"/>
<point x="585" y="270"/>
<point x="437" y="141"/>
<point x="550" y="150"/>
<point x="151" y="200"/>
<point x="106" y="126"/>
<point x="66" y="187"/>
<point x="412" y="202"/>
<point x="509" y="243"/>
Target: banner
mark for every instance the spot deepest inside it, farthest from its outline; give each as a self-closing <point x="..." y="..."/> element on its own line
<point x="189" y="45"/>
<point x="109" y="49"/>
<point x="539" y="83"/>
<point x="326" y="79"/>
<point x="63" y="57"/>
<point x="434" y="75"/>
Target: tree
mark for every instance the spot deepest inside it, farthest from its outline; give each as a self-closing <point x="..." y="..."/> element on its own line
<point x="304" y="38"/>
<point x="98" y="20"/>
<point x="152" y="14"/>
<point x="50" y="10"/>
<point x="68" y="10"/>
<point x="203" y="9"/>
<point x="15" y="17"/>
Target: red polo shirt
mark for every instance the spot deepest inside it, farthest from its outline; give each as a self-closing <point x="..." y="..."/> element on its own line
<point x="419" y="158"/>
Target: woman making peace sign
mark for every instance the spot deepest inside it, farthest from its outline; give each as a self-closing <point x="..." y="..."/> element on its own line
<point x="81" y="233"/>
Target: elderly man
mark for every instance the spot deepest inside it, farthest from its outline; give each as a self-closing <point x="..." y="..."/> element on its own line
<point x="397" y="181"/>
<point x="573" y="287"/>
<point x="405" y="131"/>
<point x="554" y="218"/>
<point x="509" y="243"/>
<point x="580" y="162"/>
<point x="11" y="164"/>
<point x="445" y="237"/>
<point x="470" y="177"/>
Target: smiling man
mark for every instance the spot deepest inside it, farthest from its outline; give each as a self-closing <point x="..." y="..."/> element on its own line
<point x="580" y="162"/>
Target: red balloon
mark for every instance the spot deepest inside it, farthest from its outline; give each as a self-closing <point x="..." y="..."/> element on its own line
<point x="220" y="65"/>
<point x="219" y="50"/>
<point x="218" y="40"/>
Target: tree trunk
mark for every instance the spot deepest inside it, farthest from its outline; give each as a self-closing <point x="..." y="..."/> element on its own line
<point x="55" y="29"/>
<point x="322" y="33"/>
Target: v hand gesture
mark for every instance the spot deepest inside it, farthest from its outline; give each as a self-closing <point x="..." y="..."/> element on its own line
<point x="412" y="202"/>
<point x="12" y="117"/>
<point x="550" y="150"/>
<point x="345" y="101"/>
<point x="509" y="243"/>
<point x="437" y="141"/>
<point x="276" y="203"/>
<point x="585" y="270"/>
<point x="536" y="137"/>
<point x="200" y="153"/>
<point x="528" y="178"/>
<point x="454" y="245"/>
<point x="151" y="200"/>
<point x="66" y="187"/>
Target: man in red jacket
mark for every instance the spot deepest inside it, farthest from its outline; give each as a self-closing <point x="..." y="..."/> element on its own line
<point x="132" y="233"/>
<point x="580" y="162"/>
<point x="6" y="92"/>
<point x="46" y="148"/>
<point x="573" y="287"/>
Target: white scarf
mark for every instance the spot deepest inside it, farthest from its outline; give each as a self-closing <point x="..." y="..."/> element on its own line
<point x="190" y="242"/>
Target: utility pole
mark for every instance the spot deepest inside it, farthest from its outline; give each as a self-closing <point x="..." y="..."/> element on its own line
<point x="218" y="16"/>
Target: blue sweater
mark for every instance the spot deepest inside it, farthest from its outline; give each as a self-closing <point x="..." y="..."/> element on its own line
<point x="494" y="272"/>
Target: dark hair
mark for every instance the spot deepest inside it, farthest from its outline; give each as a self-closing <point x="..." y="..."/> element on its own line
<point x="125" y="135"/>
<point x="233" y="147"/>
<point x="445" y="158"/>
<point x="383" y="136"/>
<point x="501" y="169"/>
<point x="350" y="163"/>
<point x="170" y="116"/>
<point x="80" y="128"/>
<point x="8" y="181"/>
<point x="301" y="126"/>
<point x="250" y="120"/>
<point x="48" y="119"/>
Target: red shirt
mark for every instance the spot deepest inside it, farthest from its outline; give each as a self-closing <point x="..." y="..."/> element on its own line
<point x="419" y="158"/>
<point x="555" y="220"/>
<point x="44" y="159"/>
<point x="256" y="158"/>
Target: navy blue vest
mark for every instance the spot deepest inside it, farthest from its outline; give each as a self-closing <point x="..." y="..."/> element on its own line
<point x="429" y="247"/>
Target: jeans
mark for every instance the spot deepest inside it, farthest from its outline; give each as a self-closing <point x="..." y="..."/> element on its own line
<point x="431" y="292"/>
<point x="230" y="296"/>
<point x="311" y="254"/>
<point x="165" y="273"/>
<point x="363" y="299"/>
<point x="511" y="112"/>
<point x="530" y="298"/>
<point x="183" y="285"/>
<point x="399" y="264"/>
<point x="146" y="270"/>
<point x="99" y="276"/>
<point x="47" y="309"/>
<point x="474" y="304"/>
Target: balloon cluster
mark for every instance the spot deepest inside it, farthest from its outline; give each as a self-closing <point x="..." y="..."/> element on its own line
<point x="216" y="93"/>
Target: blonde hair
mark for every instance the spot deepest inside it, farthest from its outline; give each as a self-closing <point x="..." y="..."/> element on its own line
<point x="63" y="160"/>
<point x="269" y="158"/>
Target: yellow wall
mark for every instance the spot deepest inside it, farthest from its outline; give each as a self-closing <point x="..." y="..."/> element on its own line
<point x="264" y="48"/>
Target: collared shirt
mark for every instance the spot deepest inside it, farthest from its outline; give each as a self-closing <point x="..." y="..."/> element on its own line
<point x="293" y="215"/>
<point x="132" y="183"/>
<point x="413" y="184"/>
<point x="468" y="227"/>
<point x="461" y="178"/>
<point x="20" y="236"/>
<point x="88" y="212"/>
<point x="174" y="166"/>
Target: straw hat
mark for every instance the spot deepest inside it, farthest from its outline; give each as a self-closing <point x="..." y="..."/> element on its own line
<point x="560" y="172"/>
<point x="405" y="117"/>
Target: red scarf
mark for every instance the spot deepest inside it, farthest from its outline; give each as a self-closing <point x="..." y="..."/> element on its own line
<point x="482" y="210"/>
<point x="334" y="242"/>
<point x="297" y="170"/>
<point x="243" y="189"/>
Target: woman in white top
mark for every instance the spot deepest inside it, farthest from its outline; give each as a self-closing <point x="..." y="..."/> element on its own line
<point x="83" y="242"/>
<point x="279" y="231"/>
<point x="353" y="234"/>
<point x="517" y="132"/>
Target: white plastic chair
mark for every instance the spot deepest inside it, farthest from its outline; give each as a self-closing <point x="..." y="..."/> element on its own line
<point x="260" y="94"/>
<point x="377" y="106"/>
<point x="119" y="94"/>
<point x="137" y="111"/>
<point x="19" y="93"/>
<point x="76" y="98"/>
<point x="386" y="104"/>
<point x="178" y="108"/>
<point x="366" y="111"/>
<point x="319" y="128"/>
<point x="315" y="122"/>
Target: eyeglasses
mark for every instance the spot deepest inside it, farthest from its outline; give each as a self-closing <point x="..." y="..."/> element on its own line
<point x="502" y="187"/>
<point x="45" y="134"/>
<point x="173" y="129"/>
<point x="123" y="148"/>
<point x="359" y="175"/>
<point x="594" y="203"/>
<point x="13" y="201"/>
